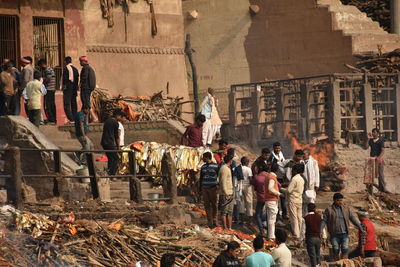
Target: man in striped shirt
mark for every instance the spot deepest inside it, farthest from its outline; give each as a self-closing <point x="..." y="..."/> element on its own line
<point x="49" y="81"/>
<point x="209" y="188"/>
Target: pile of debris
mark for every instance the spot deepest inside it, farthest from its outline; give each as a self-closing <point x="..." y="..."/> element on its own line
<point x="377" y="10"/>
<point x="377" y="62"/>
<point x="137" y="108"/>
<point x="67" y="241"/>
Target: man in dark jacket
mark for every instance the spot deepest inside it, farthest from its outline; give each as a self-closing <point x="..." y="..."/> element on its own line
<point x="49" y="81"/>
<point x="313" y="234"/>
<point x="110" y="140"/>
<point x="337" y="219"/>
<point x="209" y="188"/>
<point x="229" y="257"/>
<point x="88" y="80"/>
<point x="70" y="89"/>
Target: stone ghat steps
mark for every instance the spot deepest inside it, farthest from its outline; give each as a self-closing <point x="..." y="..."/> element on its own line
<point x="366" y="34"/>
<point x="61" y="139"/>
<point x="120" y="190"/>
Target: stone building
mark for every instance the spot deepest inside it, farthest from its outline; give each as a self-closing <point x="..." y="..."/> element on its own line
<point x="127" y="57"/>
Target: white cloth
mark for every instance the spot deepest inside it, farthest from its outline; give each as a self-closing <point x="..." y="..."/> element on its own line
<point x="207" y="133"/>
<point x="282" y="256"/>
<point x="279" y="157"/>
<point x="247" y="198"/>
<point x="206" y="106"/>
<point x="272" y="211"/>
<point x="121" y="134"/>
<point x="247" y="174"/>
<point x="70" y="72"/>
<point x="311" y="173"/>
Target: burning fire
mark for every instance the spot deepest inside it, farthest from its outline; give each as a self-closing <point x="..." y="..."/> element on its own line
<point x="322" y="151"/>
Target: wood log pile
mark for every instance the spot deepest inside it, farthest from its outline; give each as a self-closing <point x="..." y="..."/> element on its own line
<point x="377" y="10"/>
<point x="377" y="63"/>
<point x="137" y="108"/>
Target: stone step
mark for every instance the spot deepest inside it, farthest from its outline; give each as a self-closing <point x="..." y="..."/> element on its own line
<point x="364" y="43"/>
<point x="120" y="185"/>
<point x="357" y="25"/>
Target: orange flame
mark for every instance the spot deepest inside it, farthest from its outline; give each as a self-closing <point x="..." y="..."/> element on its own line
<point x="321" y="152"/>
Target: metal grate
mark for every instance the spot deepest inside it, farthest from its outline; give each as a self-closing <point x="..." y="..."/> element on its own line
<point x="9" y="38"/>
<point x="48" y="43"/>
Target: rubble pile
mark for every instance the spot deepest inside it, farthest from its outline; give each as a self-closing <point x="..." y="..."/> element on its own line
<point x="137" y="108"/>
<point x="70" y="242"/>
<point x="377" y="10"/>
<point x="377" y="62"/>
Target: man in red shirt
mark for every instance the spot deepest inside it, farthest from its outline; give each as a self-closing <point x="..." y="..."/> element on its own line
<point x="222" y="151"/>
<point x="259" y="185"/>
<point x="193" y="135"/>
<point x="366" y="239"/>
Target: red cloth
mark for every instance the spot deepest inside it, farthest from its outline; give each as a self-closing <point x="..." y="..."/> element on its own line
<point x="194" y="135"/>
<point x="219" y="156"/>
<point x="370" y="242"/>
<point x="259" y="184"/>
<point x="313" y="223"/>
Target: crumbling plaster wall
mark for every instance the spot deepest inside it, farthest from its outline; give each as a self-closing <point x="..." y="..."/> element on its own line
<point x="287" y="38"/>
<point x="136" y="63"/>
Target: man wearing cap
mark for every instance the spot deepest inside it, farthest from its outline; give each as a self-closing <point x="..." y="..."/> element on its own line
<point x="27" y="76"/>
<point x="88" y="80"/>
<point x="366" y="239"/>
<point x="337" y="219"/>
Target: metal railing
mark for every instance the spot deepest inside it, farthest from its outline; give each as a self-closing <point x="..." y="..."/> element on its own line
<point x="14" y="174"/>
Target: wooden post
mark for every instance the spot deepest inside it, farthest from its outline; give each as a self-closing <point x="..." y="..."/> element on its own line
<point x="93" y="175"/>
<point x="367" y="108"/>
<point x="254" y="127"/>
<point x="132" y="171"/>
<point x="304" y="99"/>
<point x="232" y="106"/>
<point x="397" y="129"/>
<point x="189" y="53"/>
<point x="168" y="170"/>
<point x="57" y="170"/>
<point x="280" y="113"/>
<point x="334" y="118"/>
<point x="14" y="183"/>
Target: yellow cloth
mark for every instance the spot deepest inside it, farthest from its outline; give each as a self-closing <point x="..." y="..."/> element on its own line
<point x="34" y="94"/>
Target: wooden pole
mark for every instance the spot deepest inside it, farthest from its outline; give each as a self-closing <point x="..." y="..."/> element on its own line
<point x="168" y="170"/>
<point x="93" y="175"/>
<point x="189" y="53"/>
<point x="304" y="110"/>
<point x="334" y="119"/>
<point x="14" y="183"/>
<point x="132" y="171"/>
<point x="57" y="170"/>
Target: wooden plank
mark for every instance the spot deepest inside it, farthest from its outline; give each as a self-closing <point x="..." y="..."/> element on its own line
<point x="334" y="122"/>
<point x="397" y="87"/>
<point x="367" y="108"/>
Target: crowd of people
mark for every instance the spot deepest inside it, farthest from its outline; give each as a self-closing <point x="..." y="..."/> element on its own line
<point x="285" y="189"/>
<point x="31" y="83"/>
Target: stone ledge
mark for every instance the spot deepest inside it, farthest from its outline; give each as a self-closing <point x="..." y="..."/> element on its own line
<point x="135" y="50"/>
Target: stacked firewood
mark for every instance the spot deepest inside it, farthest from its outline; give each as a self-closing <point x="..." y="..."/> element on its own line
<point x="378" y="63"/>
<point x="332" y="178"/>
<point x="377" y="10"/>
<point x="137" y="108"/>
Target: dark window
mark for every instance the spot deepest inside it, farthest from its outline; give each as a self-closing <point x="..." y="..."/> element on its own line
<point x="9" y="38"/>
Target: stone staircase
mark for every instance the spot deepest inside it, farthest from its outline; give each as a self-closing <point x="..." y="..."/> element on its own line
<point x="62" y="139"/>
<point x="120" y="190"/>
<point x="365" y="33"/>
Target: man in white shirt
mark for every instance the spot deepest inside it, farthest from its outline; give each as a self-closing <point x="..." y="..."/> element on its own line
<point x="282" y="255"/>
<point x="312" y="177"/>
<point x="271" y="199"/>
<point x="121" y="132"/>
<point x="295" y="199"/>
<point x="247" y="191"/>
